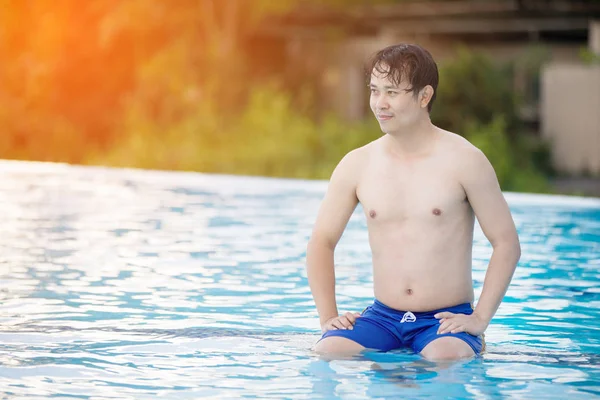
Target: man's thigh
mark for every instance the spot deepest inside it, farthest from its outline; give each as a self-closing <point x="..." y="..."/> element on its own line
<point x="337" y="345"/>
<point x="447" y="348"/>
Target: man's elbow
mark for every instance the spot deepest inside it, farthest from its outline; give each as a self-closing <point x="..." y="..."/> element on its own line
<point x="516" y="253"/>
<point x="510" y="246"/>
<point x="320" y="242"/>
<point x="516" y="246"/>
<point x="318" y="252"/>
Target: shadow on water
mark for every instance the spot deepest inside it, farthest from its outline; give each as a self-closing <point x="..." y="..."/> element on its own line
<point x="402" y="372"/>
<point x="387" y="374"/>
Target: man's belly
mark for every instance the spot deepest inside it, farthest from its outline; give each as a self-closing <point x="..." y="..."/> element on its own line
<point x="421" y="280"/>
<point x="422" y="295"/>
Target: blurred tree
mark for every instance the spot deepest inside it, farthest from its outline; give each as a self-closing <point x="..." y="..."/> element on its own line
<point x="473" y="89"/>
<point x="58" y="90"/>
<point x="173" y="85"/>
<point x="70" y="68"/>
<point x="189" y="50"/>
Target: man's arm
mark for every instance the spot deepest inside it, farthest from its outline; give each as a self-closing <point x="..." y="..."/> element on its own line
<point x="483" y="192"/>
<point x="334" y="213"/>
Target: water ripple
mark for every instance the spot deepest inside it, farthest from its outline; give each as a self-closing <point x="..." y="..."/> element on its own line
<point x="135" y="284"/>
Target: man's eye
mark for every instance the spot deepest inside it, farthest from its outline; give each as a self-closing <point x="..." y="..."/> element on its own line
<point x="392" y="93"/>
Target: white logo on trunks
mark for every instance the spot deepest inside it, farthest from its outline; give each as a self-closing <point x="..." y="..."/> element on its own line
<point x="408" y="317"/>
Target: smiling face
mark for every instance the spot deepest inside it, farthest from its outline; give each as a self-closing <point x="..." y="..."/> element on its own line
<point x="403" y="79"/>
<point x="395" y="106"/>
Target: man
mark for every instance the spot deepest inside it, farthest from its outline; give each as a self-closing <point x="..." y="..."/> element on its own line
<point x="421" y="188"/>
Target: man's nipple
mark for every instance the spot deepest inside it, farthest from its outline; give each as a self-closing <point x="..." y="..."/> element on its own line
<point x="437" y="211"/>
<point x="372" y="214"/>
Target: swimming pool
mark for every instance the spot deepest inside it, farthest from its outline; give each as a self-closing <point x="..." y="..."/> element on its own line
<point x="141" y="284"/>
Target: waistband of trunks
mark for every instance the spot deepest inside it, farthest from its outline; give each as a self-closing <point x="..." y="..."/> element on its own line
<point x="458" y="309"/>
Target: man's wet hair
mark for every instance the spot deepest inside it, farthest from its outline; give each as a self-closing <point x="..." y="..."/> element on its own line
<point x="409" y="62"/>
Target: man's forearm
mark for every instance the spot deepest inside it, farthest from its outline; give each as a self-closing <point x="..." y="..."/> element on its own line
<point x="321" y="279"/>
<point x="497" y="278"/>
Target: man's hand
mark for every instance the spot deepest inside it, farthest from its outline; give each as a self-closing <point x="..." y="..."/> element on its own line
<point x="455" y="323"/>
<point x="345" y="321"/>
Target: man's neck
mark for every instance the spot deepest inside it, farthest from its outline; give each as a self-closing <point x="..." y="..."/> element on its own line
<point x="414" y="141"/>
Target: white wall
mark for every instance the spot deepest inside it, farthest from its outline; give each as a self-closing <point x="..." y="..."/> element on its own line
<point x="570" y="116"/>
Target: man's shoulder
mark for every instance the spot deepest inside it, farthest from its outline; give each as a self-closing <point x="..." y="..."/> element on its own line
<point x="352" y="164"/>
<point x="468" y="161"/>
<point x="358" y="156"/>
<point x="461" y="150"/>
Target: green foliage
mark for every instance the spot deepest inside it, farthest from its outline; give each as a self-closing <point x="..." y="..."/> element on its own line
<point x="476" y="99"/>
<point x="514" y="170"/>
<point x="588" y="57"/>
<point x="172" y="86"/>
<point x="271" y="137"/>
<point x="473" y="89"/>
<point x="70" y="66"/>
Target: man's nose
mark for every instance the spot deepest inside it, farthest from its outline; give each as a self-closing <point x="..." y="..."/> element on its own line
<point x="381" y="103"/>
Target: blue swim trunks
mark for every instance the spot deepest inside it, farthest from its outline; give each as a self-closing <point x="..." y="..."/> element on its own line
<point x="383" y="328"/>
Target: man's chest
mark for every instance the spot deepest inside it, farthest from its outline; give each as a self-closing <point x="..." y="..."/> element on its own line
<point x="419" y="194"/>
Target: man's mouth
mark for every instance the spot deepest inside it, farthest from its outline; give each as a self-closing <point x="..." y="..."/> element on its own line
<point x="383" y="117"/>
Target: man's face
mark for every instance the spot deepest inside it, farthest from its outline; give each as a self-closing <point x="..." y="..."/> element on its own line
<point x="394" y="107"/>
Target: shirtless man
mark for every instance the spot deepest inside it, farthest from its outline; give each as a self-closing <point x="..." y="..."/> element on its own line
<point x="421" y="188"/>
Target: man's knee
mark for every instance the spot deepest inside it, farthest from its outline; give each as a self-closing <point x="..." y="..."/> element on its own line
<point x="335" y="345"/>
<point x="447" y="348"/>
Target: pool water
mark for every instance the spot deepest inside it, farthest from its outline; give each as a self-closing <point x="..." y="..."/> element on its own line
<point x="128" y="284"/>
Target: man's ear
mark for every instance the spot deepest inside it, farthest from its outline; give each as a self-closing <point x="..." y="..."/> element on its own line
<point x="425" y="96"/>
